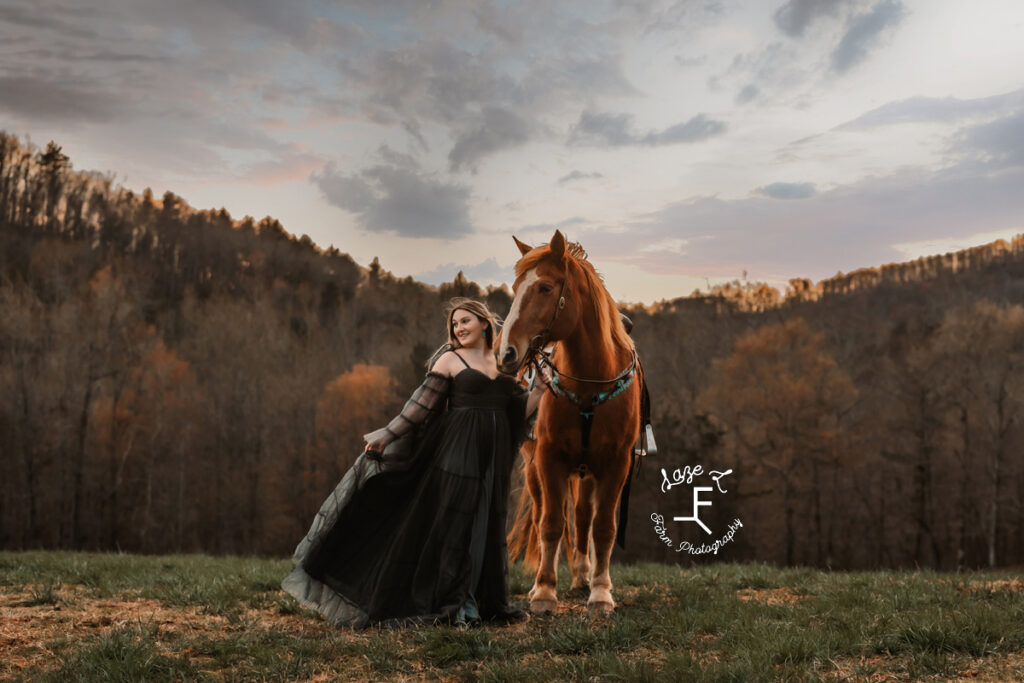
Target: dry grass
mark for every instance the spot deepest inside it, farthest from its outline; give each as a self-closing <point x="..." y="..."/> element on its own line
<point x="70" y="616"/>
<point x="27" y="629"/>
<point x="772" y="596"/>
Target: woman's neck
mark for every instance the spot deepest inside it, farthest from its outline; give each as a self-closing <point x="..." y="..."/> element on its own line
<point x="473" y="351"/>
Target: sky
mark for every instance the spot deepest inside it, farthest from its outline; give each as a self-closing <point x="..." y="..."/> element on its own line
<point x="683" y="144"/>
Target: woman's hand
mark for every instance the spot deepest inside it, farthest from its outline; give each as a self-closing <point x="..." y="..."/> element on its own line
<point x="375" y="446"/>
<point x="541" y="382"/>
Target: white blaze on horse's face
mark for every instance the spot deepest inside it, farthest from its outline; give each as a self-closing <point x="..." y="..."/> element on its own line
<point x="529" y="278"/>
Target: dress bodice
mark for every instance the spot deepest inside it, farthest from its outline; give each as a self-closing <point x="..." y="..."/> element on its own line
<point x="471" y="388"/>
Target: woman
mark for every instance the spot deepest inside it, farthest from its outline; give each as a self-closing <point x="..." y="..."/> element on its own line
<point x="415" y="531"/>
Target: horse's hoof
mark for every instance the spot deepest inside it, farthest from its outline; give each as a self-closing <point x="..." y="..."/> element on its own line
<point x="543" y="606"/>
<point x="600" y="609"/>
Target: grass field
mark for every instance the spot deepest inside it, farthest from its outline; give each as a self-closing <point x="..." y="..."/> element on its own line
<point x="76" y="616"/>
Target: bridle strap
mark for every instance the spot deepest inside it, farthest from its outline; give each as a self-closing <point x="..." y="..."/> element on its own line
<point x="625" y="373"/>
<point x="541" y="339"/>
<point x="535" y="351"/>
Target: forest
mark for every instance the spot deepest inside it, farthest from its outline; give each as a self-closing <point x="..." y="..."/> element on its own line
<point x="179" y="380"/>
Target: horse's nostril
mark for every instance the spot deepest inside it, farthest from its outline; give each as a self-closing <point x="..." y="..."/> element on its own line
<point x="509" y="357"/>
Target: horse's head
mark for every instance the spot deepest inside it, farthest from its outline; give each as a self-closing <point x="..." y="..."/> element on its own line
<point x="543" y="308"/>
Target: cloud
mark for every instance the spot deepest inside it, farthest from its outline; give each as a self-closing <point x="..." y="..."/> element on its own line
<point x="435" y="82"/>
<point x="502" y="25"/>
<point x="51" y="22"/>
<point x="388" y="199"/>
<point x="469" y="80"/>
<point x="393" y="157"/>
<point x="849" y="30"/>
<point x="288" y="165"/>
<point x="863" y="31"/>
<point x="496" y="129"/>
<point x="698" y="128"/>
<point x="616" y="130"/>
<point x="787" y="190"/>
<point x="487" y="272"/>
<point x="679" y="17"/>
<point x="58" y="99"/>
<point x="763" y="73"/>
<point x="998" y="143"/>
<point x="935" y="110"/>
<point x="795" y="16"/>
<point x="577" y="175"/>
<point x="994" y="138"/>
<point x="747" y="93"/>
<point x="292" y="20"/>
<point x="539" y="233"/>
<point x="603" y="129"/>
<point x="683" y="61"/>
<point x="487" y="102"/>
<point x="849" y="227"/>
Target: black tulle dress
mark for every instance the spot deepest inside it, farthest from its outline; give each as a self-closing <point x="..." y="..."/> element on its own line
<point x="417" y="534"/>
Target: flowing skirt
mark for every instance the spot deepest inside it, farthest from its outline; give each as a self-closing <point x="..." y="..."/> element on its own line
<point x="416" y="535"/>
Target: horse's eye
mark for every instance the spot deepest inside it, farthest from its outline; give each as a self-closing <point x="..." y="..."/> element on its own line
<point x="545" y="288"/>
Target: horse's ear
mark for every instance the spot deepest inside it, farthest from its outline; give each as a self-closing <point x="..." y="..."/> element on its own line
<point x="558" y="245"/>
<point x="524" y="248"/>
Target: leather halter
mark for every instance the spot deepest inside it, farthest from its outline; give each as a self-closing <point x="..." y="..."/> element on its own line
<point x="535" y="349"/>
<point x="541" y="339"/>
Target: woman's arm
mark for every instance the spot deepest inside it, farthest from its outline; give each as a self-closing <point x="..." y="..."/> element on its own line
<point x="540" y="386"/>
<point x="425" y="401"/>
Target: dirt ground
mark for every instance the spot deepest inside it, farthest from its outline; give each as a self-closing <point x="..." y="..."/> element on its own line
<point x="27" y="629"/>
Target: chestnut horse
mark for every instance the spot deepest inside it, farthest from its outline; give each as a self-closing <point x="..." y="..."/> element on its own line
<point x="559" y="297"/>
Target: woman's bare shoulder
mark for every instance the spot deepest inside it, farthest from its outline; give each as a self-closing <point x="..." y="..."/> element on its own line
<point x="445" y="364"/>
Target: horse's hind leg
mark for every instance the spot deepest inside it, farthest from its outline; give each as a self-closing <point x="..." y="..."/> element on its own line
<point x="553" y="481"/>
<point x="584" y="515"/>
<point x="607" y="497"/>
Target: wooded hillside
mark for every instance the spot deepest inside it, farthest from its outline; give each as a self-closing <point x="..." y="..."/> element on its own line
<point x="180" y="380"/>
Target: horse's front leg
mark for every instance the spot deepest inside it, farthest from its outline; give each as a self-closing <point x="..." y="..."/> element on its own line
<point x="553" y="480"/>
<point x="608" y="489"/>
<point x="584" y="515"/>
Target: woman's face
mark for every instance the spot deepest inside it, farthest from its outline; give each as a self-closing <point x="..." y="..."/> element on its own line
<point x="468" y="329"/>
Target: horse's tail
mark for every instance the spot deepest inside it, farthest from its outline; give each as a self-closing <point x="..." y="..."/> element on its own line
<point x="524" y="536"/>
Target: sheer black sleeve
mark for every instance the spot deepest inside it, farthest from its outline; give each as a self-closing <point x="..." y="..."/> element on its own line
<point x="428" y="399"/>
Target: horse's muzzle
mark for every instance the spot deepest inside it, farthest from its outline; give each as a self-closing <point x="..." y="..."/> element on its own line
<point x="509" y="361"/>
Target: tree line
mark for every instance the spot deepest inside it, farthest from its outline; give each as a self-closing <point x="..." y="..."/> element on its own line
<point x="179" y="380"/>
<point x="867" y="426"/>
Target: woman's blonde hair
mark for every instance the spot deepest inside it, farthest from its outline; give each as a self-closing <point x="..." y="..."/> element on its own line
<point x="478" y="309"/>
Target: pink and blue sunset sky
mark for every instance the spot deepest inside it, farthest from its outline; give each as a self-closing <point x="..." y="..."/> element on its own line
<point x="682" y="143"/>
